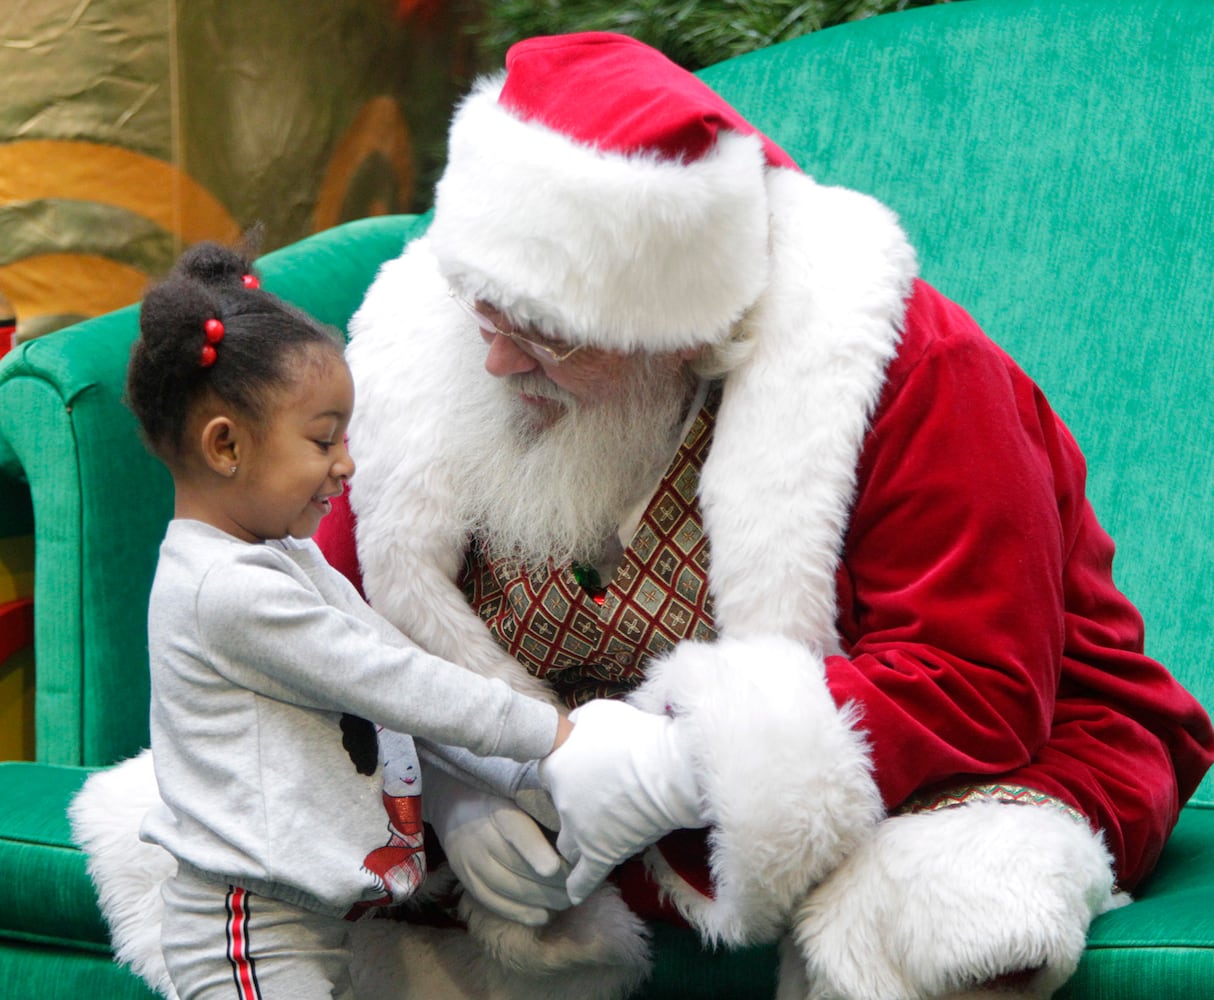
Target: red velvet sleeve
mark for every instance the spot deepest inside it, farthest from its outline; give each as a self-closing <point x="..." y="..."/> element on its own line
<point x="335" y="538"/>
<point x="951" y="593"/>
<point x="983" y="632"/>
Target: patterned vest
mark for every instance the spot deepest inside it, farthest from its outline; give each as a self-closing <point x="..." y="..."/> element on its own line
<point x="595" y="644"/>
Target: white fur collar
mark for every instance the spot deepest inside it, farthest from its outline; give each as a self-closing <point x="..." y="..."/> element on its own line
<point x="778" y="485"/>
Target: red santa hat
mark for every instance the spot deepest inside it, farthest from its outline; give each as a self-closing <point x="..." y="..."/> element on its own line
<point x="606" y="196"/>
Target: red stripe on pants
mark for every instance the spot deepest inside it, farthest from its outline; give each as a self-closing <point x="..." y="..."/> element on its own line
<point x="243" y="971"/>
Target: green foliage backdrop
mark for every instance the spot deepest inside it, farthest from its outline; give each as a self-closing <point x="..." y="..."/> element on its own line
<point x="693" y="33"/>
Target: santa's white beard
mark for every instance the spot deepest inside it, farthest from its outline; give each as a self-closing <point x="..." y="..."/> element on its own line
<point x="533" y="493"/>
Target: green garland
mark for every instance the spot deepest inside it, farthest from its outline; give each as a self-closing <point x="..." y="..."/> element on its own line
<point x="694" y="34"/>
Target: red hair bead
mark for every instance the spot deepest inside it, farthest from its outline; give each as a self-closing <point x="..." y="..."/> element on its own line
<point x="250" y="281"/>
<point x="213" y="330"/>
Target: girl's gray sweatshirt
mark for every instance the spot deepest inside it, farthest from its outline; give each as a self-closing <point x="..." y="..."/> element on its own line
<point x="256" y="652"/>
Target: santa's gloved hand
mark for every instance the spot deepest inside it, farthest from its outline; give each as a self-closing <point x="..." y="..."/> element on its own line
<point x="497" y="851"/>
<point x="623" y="779"/>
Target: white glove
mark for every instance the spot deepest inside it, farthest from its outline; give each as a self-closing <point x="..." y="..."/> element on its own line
<point x="497" y="851"/>
<point x="519" y="782"/>
<point x="623" y="779"/>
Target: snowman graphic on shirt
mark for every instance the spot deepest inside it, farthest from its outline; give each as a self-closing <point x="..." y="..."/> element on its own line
<point x="400" y="865"/>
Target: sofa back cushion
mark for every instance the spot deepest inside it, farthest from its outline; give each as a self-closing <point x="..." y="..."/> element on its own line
<point x="1054" y="166"/>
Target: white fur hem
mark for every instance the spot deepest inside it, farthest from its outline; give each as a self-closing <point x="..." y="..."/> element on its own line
<point x="936" y="904"/>
<point x="597" y="950"/>
<point x="106" y="815"/>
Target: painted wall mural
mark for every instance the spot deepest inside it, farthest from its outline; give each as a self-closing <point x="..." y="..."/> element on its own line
<point x="130" y="129"/>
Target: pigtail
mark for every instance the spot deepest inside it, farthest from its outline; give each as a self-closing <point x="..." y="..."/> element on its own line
<point x="217" y="266"/>
<point x="165" y="373"/>
<point x="210" y="330"/>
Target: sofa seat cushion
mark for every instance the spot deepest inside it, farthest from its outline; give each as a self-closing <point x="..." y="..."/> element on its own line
<point x="45" y="892"/>
<point x="1157" y="947"/>
<point x="1163" y="944"/>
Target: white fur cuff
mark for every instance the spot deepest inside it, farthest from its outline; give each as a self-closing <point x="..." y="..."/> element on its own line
<point x="785" y="773"/>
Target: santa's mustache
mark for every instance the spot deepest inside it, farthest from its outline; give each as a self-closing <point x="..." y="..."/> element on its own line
<point x="555" y="491"/>
<point x="538" y="386"/>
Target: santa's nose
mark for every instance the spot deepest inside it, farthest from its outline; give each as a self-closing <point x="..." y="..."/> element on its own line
<point x="505" y="357"/>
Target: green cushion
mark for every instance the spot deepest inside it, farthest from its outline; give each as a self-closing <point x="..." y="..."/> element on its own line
<point x="683" y="968"/>
<point x="1162" y="945"/>
<point x="41" y="972"/>
<point x="45" y="892"/>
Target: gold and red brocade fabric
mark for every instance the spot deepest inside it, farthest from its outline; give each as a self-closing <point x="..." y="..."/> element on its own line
<point x="931" y="800"/>
<point x="594" y="644"/>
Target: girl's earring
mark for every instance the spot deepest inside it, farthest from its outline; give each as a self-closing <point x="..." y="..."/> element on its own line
<point x="232" y="471"/>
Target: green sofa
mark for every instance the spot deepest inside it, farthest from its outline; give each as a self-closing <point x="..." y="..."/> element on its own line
<point x="1053" y="162"/>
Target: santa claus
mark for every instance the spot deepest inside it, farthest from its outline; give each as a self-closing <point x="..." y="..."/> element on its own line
<point x="649" y="414"/>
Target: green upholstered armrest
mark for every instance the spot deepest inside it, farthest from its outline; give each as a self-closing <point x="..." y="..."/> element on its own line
<point x="100" y="501"/>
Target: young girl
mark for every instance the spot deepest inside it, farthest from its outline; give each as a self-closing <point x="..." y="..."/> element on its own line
<point x="286" y="814"/>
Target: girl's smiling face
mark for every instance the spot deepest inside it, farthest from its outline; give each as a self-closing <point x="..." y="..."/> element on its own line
<point x="291" y="467"/>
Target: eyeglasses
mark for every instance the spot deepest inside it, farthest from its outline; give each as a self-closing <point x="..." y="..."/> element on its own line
<point x="547" y="349"/>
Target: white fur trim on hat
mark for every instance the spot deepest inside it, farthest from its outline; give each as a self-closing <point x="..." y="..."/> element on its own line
<point x="619" y="252"/>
